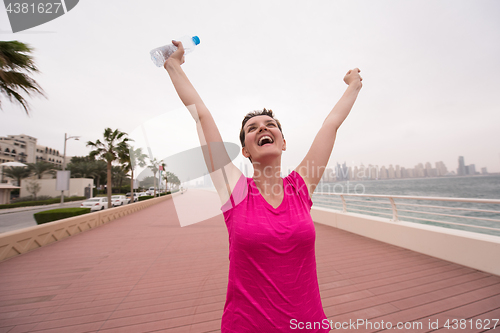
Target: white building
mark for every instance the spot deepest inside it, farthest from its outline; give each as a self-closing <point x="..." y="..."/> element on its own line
<point x="24" y="148"/>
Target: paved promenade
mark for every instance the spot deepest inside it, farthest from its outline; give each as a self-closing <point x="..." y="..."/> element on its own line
<point x="145" y="273"/>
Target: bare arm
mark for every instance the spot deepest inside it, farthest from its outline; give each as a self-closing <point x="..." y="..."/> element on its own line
<point x="312" y="167"/>
<point x="223" y="172"/>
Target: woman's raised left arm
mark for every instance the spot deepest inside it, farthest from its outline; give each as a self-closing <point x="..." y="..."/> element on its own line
<point x="314" y="164"/>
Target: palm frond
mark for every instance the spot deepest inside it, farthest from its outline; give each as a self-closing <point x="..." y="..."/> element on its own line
<point x="15" y="59"/>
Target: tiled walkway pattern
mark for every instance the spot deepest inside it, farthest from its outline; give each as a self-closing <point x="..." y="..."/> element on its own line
<point x="144" y="273"/>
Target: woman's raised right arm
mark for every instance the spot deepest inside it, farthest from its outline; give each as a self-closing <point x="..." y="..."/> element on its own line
<point x="223" y="172"/>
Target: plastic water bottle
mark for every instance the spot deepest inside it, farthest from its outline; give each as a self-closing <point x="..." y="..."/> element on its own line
<point x="161" y="54"/>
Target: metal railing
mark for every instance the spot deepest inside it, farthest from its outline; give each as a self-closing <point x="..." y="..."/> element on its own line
<point x="477" y="215"/>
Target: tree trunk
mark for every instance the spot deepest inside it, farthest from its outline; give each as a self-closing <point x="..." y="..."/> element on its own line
<point x="132" y="185"/>
<point x="110" y="186"/>
<point x="154" y="185"/>
<point x="98" y="185"/>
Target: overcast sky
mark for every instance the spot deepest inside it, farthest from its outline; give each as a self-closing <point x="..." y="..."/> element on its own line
<point x="430" y="75"/>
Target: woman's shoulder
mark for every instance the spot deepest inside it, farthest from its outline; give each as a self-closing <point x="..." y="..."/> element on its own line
<point x="295" y="179"/>
<point x="238" y="194"/>
<point x="297" y="183"/>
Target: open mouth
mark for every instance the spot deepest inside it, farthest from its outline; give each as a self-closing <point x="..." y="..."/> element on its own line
<point x="266" y="139"/>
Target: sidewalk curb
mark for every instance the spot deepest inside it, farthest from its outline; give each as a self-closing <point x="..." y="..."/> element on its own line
<point x="23" y="209"/>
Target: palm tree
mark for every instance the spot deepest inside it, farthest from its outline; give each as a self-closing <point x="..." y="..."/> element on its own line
<point x="154" y="167"/>
<point x="41" y="168"/>
<point x="82" y="169"/>
<point x="14" y="59"/>
<point x="113" y="148"/>
<point x="101" y="167"/>
<point x="134" y="158"/>
<point x="172" y="179"/>
<point x="119" y="175"/>
<point x="17" y="173"/>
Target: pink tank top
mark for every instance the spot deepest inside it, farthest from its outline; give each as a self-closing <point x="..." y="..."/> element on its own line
<point x="273" y="284"/>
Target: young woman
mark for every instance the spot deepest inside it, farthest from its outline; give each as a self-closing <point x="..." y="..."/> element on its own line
<point x="273" y="284"/>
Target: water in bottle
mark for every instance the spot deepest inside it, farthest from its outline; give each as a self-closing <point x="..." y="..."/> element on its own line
<point x="161" y="54"/>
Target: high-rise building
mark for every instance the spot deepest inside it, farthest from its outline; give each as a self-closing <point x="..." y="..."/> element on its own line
<point x="398" y="172"/>
<point x="329" y="175"/>
<point x="355" y="173"/>
<point x="441" y="169"/>
<point x="369" y="172"/>
<point x="391" y="173"/>
<point x="419" y="171"/>
<point x="472" y="169"/>
<point x="362" y="173"/>
<point x="383" y="173"/>
<point x="461" y="166"/>
<point x="342" y="172"/>
<point x="403" y="172"/>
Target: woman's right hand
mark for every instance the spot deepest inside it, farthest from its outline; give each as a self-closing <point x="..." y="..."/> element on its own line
<point x="178" y="55"/>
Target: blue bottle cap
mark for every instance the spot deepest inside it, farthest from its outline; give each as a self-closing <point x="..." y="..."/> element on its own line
<point x="196" y="40"/>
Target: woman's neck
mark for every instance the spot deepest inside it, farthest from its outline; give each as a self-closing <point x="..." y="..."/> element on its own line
<point x="268" y="179"/>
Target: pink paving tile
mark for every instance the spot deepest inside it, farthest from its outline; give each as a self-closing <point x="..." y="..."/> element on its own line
<point x="79" y="328"/>
<point x="164" y="324"/>
<point x="431" y="308"/>
<point x="160" y="315"/>
<point x="462" y="317"/>
<point x="485" y="322"/>
<point x="208" y="326"/>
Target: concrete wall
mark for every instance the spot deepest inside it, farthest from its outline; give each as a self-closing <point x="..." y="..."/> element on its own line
<point x="478" y="251"/>
<point x="48" y="187"/>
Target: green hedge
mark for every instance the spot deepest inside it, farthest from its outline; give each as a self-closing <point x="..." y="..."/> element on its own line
<point x="40" y="202"/>
<point x="59" y="214"/>
<point x="145" y="197"/>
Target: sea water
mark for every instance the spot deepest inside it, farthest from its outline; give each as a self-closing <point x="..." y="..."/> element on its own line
<point x="473" y="187"/>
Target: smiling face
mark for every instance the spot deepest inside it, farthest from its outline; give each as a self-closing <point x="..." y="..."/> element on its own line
<point x="262" y="138"/>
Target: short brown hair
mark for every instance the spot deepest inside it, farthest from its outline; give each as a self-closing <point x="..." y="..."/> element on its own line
<point x="250" y="115"/>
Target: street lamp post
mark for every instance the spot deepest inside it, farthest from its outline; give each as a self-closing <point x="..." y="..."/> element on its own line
<point x="66" y="138"/>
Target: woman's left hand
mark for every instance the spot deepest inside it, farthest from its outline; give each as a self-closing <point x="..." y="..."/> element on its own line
<point x="353" y="76"/>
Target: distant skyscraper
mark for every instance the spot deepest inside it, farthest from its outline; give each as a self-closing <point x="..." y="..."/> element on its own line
<point x="391" y="172"/>
<point x="355" y="175"/>
<point x="428" y="170"/>
<point x="373" y="171"/>
<point x="342" y="172"/>
<point x="328" y="175"/>
<point x="383" y="173"/>
<point x="472" y="169"/>
<point x="441" y="169"/>
<point x="461" y="166"/>
<point x="419" y="171"/>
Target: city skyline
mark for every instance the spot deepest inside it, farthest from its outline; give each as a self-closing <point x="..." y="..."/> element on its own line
<point x="370" y="171"/>
<point x="26" y="144"/>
